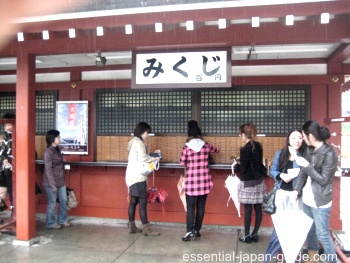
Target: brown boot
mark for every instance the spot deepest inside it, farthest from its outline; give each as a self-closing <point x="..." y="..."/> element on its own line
<point x="312" y="258"/>
<point x="147" y="231"/>
<point x="132" y="228"/>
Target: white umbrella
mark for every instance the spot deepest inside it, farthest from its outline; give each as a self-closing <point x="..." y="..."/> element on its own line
<point x="232" y="184"/>
<point x="292" y="228"/>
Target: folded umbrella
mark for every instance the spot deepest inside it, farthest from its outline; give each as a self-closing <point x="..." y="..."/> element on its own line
<point x="292" y="228"/>
<point x="181" y="189"/>
<point x="232" y="184"/>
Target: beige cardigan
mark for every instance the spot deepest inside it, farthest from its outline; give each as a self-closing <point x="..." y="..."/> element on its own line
<point x="137" y="154"/>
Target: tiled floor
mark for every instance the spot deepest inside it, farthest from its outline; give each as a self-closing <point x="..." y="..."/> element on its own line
<point x="101" y="240"/>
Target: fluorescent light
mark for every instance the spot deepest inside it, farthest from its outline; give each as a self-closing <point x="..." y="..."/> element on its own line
<point x="128" y="29"/>
<point x="158" y="27"/>
<point x="99" y="31"/>
<point x="255" y="21"/>
<point x="46" y="35"/>
<point x="189" y="25"/>
<point x="289" y="20"/>
<point x="222" y="22"/>
<point x="324" y="18"/>
<point x="20" y="37"/>
<point x="71" y="33"/>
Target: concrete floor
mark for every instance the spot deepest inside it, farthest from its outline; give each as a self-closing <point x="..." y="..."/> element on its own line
<point x="102" y="240"/>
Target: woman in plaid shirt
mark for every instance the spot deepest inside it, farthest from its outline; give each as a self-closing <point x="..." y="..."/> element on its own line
<point x="198" y="183"/>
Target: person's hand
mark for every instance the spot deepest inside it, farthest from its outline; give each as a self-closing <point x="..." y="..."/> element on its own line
<point x="293" y="195"/>
<point x="234" y="162"/>
<point x="301" y="161"/>
<point x="157" y="151"/>
<point x="293" y="152"/>
<point x="157" y="159"/>
<point x="285" y="177"/>
<point x="128" y="199"/>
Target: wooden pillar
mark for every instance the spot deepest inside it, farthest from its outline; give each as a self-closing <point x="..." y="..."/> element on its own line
<point x="25" y="141"/>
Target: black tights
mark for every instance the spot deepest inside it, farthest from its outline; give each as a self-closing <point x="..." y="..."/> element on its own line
<point x="248" y="218"/>
<point x="142" y="202"/>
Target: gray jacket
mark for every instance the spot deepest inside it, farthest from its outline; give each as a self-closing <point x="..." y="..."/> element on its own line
<point x="323" y="165"/>
<point x="53" y="169"/>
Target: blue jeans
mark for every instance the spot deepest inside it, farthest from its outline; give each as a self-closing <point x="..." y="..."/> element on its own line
<point x="51" y="205"/>
<point x="320" y="232"/>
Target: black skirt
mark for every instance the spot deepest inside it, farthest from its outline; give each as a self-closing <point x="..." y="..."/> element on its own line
<point x="139" y="189"/>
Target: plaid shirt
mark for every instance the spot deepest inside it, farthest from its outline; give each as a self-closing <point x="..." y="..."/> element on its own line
<point x="198" y="179"/>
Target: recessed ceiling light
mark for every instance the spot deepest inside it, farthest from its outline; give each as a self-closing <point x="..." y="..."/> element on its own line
<point x="71" y="33"/>
<point x="289" y="20"/>
<point x="20" y="37"/>
<point x="189" y="25"/>
<point x="222" y="23"/>
<point x="46" y="35"/>
<point x="128" y="29"/>
<point x="99" y="31"/>
<point x="255" y="21"/>
<point x="324" y="18"/>
<point x="158" y="27"/>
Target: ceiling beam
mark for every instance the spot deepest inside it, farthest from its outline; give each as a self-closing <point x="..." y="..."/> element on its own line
<point x="176" y="17"/>
<point x="303" y="32"/>
<point x="335" y="60"/>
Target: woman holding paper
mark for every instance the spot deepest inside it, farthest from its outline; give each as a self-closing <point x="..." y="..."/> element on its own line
<point x="284" y="170"/>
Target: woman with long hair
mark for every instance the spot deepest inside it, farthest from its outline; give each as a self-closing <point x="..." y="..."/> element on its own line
<point x="252" y="188"/>
<point x="284" y="170"/>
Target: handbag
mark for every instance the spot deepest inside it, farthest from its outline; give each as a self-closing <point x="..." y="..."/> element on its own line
<point x="269" y="205"/>
<point x="72" y="201"/>
<point x="148" y="167"/>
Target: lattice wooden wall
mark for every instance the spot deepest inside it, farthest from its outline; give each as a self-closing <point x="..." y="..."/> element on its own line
<point x="115" y="148"/>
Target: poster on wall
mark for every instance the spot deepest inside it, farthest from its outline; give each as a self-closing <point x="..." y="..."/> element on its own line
<point x="72" y="122"/>
<point x="345" y="145"/>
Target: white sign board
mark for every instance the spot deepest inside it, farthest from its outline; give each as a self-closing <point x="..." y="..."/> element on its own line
<point x="206" y="68"/>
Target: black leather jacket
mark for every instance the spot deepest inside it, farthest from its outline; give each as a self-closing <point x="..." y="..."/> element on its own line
<point x="323" y="165"/>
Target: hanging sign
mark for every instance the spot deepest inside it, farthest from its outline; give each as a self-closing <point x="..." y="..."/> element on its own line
<point x="182" y="69"/>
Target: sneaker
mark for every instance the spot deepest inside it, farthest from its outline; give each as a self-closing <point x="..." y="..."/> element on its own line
<point x="189" y="236"/>
<point x="254" y="238"/>
<point x="245" y="239"/>
<point x="55" y="227"/>
<point x="66" y="224"/>
<point x="197" y="234"/>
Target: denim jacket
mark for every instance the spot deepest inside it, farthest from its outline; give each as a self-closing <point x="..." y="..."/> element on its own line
<point x="274" y="170"/>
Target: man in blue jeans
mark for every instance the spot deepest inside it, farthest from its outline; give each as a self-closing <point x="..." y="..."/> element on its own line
<point x="315" y="184"/>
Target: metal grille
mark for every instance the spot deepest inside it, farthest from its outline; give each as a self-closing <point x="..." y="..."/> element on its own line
<point x="273" y="111"/>
<point x="45" y="111"/>
<point x="7" y="105"/>
<point x="119" y="112"/>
